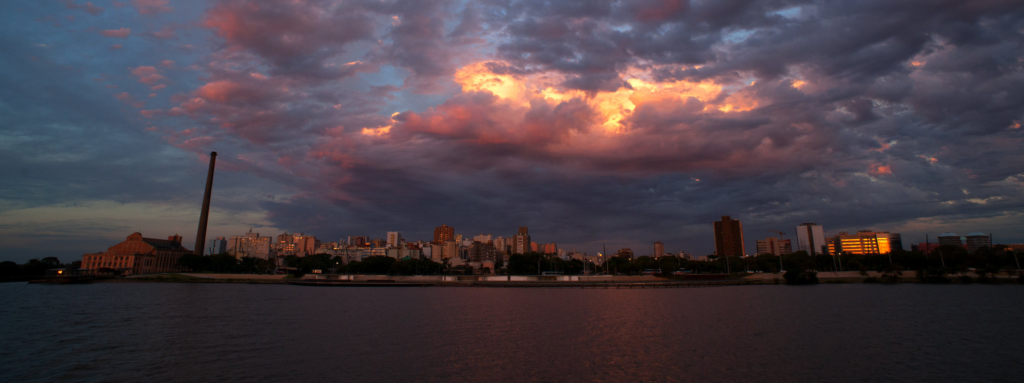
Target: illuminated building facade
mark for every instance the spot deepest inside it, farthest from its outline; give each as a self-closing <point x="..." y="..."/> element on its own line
<point x="139" y="255"/>
<point x="521" y="241"/>
<point x="394" y="239"/>
<point x="659" y="249"/>
<point x="444" y="233"/>
<point x="250" y="245"/>
<point x="865" y="242"/>
<point x="729" y="237"/>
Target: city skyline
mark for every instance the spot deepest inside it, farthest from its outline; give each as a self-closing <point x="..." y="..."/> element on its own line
<point x="597" y="122"/>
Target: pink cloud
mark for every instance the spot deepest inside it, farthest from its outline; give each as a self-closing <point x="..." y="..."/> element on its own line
<point x="151" y="95"/>
<point x="167" y="64"/>
<point x="144" y="71"/>
<point x="150" y="113"/>
<point x="146" y="7"/>
<point x="147" y="74"/>
<point x="119" y="33"/>
<point x="158" y="87"/>
<point x="116" y="46"/>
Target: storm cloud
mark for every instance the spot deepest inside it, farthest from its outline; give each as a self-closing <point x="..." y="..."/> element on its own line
<point x="591" y="122"/>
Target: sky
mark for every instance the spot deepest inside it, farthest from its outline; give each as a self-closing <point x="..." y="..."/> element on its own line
<point x="594" y="123"/>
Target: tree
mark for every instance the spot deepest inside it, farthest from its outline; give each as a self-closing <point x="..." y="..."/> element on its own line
<point x="9" y="269"/>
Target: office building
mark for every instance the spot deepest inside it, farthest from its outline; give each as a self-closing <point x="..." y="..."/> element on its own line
<point x="549" y="248"/>
<point x="139" y="255"/>
<point x="810" y="237"/>
<point x="864" y="242"/>
<point x="729" y="237"/>
<point x="774" y="246"/>
<point x="659" y="249"/>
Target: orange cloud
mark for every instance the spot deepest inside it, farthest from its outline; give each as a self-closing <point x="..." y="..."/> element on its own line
<point x="613" y="107"/>
<point x="879" y="169"/>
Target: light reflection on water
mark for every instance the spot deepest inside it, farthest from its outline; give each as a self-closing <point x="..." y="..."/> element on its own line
<point x="225" y="332"/>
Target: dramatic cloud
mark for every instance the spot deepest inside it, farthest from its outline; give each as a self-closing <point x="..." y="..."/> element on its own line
<point x="622" y="122"/>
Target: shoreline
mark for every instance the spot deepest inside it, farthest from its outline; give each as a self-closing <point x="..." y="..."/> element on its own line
<point x="324" y="280"/>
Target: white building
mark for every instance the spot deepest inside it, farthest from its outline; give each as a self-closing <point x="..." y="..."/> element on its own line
<point x="394" y="239"/>
<point x="810" y="237"/>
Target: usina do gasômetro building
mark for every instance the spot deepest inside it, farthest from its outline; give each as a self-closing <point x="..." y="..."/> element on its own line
<point x="139" y="255"/>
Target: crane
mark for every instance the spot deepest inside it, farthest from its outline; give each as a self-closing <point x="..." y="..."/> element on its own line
<point x="781" y="234"/>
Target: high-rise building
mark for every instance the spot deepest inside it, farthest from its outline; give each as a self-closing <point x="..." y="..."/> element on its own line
<point x="394" y="239"/>
<point x="483" y="238"/>
<point x="436" y="252"/>
<point x="977" y="240"/>
<point x="451" y="250"/>
<point x="444" y="233"/>
<point x="952" y="239"/>
<point x="810" y="237"/>
<point x="774" y="246"/>
<point x="250" y="245"/>
<point x="659" y="249"/>
<point x="357" y="240"/>
<point x="521" y="241"/>
<point x="549" y="248"/>
<point x="216" y="246"/>
<point x="483" y="251"/>
<point x="305" y="244"/>
<point x="729" y="237"/>
<point x="865" y="242"/>
<point x="503" y="244"/>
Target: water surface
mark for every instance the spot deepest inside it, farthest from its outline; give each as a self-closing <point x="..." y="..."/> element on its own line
<point x="158" y="332"/>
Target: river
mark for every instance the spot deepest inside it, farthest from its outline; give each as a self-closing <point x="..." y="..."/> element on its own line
<point x="167" y="332"/>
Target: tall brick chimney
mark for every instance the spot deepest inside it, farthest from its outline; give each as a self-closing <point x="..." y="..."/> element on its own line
<point x="201" y="235"/>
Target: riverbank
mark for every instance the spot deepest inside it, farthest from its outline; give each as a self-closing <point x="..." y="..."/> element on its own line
<point x="595" y="281"/>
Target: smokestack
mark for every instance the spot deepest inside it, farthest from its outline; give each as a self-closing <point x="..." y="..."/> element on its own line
<point x="201" y="235"/>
